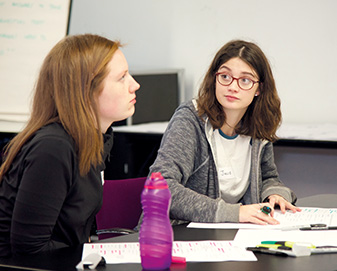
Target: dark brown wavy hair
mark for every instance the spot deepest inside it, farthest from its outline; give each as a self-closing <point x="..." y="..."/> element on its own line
<point x="263" y="115"/>
<point x="66" y="91"/>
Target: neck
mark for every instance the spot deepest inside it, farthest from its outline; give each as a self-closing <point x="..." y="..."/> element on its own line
<point x="228" y="129"/>
<point x="230" y="123"/>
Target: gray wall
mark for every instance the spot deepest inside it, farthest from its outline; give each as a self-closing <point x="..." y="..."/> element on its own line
<point x="308" y="171"/>
<point x="298" y="36"/>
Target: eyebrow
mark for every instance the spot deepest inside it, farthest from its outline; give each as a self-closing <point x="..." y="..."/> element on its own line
<point x="120" y="74"/>
<point x="244" y="73"/>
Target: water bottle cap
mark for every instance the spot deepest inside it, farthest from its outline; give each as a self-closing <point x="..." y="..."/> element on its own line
<point x="156" y="175"/>
<point x="156" y="181"/>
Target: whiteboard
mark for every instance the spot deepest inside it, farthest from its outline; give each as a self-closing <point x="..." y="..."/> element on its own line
<point x="28" y="30"/>
<point x="299" y="38"/>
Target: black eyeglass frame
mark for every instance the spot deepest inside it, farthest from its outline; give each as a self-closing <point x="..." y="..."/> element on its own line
<point x="234" y="78"/>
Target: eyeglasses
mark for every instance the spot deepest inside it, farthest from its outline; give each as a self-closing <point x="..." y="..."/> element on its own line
<point x="226" y="79"/>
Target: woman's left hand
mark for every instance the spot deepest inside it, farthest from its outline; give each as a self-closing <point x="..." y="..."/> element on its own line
<point x="284" y="204"/>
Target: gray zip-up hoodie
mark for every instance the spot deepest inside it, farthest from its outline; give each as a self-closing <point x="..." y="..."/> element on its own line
<point x="186" y="160"/>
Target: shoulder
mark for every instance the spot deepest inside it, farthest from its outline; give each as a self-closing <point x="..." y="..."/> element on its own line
<point x="185" y="124"/>
<point x="53" y="132"/>
<point x="185" y="118"/>
<point x="261" y="143"/>
<point x="54" y="129"/>
<point x="262" y="147"/>
<point x="51" y="140"/>
<point x="187" y="112"/>
<point x="186" y="107"/>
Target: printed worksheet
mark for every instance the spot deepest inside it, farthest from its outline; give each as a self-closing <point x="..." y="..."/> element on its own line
<point x="308" y="216"/>
<point x="289" y="220"/>
<point x="193" y="251"/>
<point x="251" y="238"/>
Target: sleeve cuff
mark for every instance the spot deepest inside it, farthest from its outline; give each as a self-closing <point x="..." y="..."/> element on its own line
<point x="227" y="212"/>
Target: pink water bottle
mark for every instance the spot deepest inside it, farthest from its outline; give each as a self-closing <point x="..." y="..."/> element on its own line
<point x="156" y="235"/>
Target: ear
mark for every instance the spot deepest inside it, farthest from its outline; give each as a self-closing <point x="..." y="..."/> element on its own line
<point x="257" y="93"/>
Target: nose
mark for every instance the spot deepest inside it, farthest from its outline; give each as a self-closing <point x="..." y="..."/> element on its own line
<point x="134" y="86"/>
<point x="234" y="85"/>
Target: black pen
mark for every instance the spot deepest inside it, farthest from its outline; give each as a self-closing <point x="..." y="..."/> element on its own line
<point x="318" y="228"/>
<point x="266" y="251"/>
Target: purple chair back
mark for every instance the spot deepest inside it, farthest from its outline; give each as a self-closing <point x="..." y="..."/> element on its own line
<point x="121" y="205"/>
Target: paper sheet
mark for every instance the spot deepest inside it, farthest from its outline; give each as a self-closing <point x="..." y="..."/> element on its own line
<point x="307" y="216"/>
<point x="193" y="251"/>
<point x="251" y="238"/>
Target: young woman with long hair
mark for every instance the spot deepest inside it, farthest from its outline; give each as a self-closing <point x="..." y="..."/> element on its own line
<point x="51" y="177"/>
<point x="217" y="153"/>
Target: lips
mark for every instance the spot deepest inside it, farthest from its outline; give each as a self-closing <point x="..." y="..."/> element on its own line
<point x="133" y="100"/>
<point x="231" y="98"/>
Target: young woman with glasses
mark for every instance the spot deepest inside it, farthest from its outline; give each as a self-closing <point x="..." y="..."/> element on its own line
<point x="217" y="154"/>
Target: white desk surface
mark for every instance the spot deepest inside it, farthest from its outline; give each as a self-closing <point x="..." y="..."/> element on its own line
<point x="11" y="126"/>
<point x="320" y="132"/>
<point x="316" y="132"/>
<point x="152" y="128"/>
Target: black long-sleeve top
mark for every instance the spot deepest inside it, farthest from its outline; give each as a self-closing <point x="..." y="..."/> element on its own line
<point x="44" y="202"/>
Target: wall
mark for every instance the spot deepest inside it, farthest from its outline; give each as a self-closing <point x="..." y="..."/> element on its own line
<point x="298" y="37"/>
<point x="307" y="171"/>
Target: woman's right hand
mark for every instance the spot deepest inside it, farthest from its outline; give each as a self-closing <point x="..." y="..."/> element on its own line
<point x="252" y="213"/>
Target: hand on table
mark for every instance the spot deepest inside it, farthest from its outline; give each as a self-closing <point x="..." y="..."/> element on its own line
<point x="284" y="204"/>
<point x="252" y="213"/>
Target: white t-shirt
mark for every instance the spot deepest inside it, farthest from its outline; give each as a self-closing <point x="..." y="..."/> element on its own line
<point x="233" y="162"/>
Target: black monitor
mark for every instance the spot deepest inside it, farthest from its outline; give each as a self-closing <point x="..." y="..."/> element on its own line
<point x="160" y="93"/>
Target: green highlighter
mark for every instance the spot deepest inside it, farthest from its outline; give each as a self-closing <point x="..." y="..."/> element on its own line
<point x="284" y="244"/>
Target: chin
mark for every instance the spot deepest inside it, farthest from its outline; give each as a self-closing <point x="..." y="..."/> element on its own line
<point x="132" y="112"/>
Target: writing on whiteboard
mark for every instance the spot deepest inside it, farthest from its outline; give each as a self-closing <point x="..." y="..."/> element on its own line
<point x="28" y="30"/>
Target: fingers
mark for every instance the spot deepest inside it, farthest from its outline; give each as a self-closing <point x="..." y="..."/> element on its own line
<point x="253" y="214"/>
<point x="257" y="220"/>
<point x="272" y="204"/>
<point x="292" y="208"/>
<point x="265" y="219"/>
<point x="283" y="204"/>
<point x="272" y="201"/>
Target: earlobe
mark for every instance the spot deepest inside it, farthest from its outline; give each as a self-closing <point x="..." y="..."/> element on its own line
<point x="257" y="93"/>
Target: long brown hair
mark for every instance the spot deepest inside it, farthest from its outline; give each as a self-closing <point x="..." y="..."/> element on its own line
<point x="263" y="115"/>
<point x="70" y="79"/>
